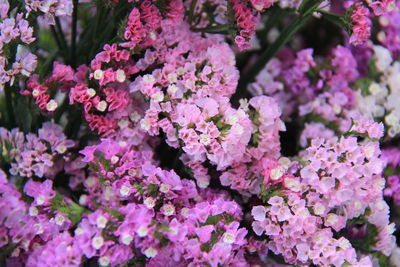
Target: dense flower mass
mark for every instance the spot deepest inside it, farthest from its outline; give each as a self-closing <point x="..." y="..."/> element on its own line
<point x="199" y="133"/>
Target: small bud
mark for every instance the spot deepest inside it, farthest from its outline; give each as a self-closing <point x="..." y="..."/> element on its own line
<point x="101" y="222"/>
<point x="124" y="191"/>
<point x="150" y="252"/>
<point x="121" y="77"/>
<point x="91" y="92"/>
<point x="102" y="106"/>
<point x="126" y="239"/>
<point x="104" y="261"/>
<point x="52" y="105"/>
<point x="97" y="242"/>
<point x="98" y="74"/>
<point x="149" y="202"/>
<point x="229" y="238"/>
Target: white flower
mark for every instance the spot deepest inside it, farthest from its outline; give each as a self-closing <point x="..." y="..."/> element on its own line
<point x="104" y="261"/>
<point x="101" y="222"/>
<point x="114" y="159"/>
<point x="145" y="124"/>
<point x="97" y="242"/>
<point x="319" y="209"/>
<point x="102" y="106"/>
<point x="203" y="183"/>
<point x="205" y="139"/>
<point x="90" y="181"/>
<point x="98" y="74"/>
<point x="164" y="188"/>
<point x="134" y="116"/>
<point x="277" y="173"/>
<point x="142" y="231"/>
<point x="148" y="78"/>
<point x="91" y="92"/>
<point x="121" y="77"/>
<point x="149" y="202"/>
<point x="61" y="149"/>
<point x="52" y="105"/>
<point x="292" y="184"/>
<point x="382" y="57"/>
<point x="40" y="200"/>
<point x="229" y="238"/>
<point x="172" y="89"/>
<point x="124" y="191"/>
<point x="126" y="239"/>
<point x="150" y="252"/>
<point x="59" y="219"/>
<point x="168" y="209"/>
<point x="159" y="96"/>
<point x="33" y="211"/>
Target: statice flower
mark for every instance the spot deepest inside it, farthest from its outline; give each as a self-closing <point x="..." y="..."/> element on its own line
<point x="35" y="155"/>
<point x="192" y="100"/>
<point x="22" y="62"/>
<point x="246" y="20"/>
<point x="298" y="83"/>
<point x="361" y="15"/>
<point x="389" y="30"/>
<point x="263" y="148"/>
<point x="378" y="99"/>
<point x="60" y="250"/>
<point x="50" y="8"/>
<point x="26" y="225"/>
<point x="339" y="180"/>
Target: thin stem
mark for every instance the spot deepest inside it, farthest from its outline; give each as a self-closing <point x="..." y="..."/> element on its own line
<point x="73" y="32"/>
<point x="274" y="15"/>
<point x="61" y="34"/>
<point x="61" y="110"/>
<point x="306" y="10"/>
<point x="56" y="37"/>
<point x="9" y="105"/>
<point x="270" y="52"/>
<point x="191" y="11"/>
<point x="223" y="28"/>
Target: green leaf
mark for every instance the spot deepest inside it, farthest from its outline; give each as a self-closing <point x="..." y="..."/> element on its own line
<point x="212" y="220"/>
<point x="223" y="28"/>
<point x="71" y="209"/>
<point x="340" y="20"/>
<point x="363" y="84"/>
<point x="23" y="115"/>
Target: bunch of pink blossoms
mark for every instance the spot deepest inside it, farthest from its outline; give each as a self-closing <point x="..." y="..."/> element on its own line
<point x="15" y="29"/>
<point x="334" y="182"/>
<point x="35" y="155"/>
<point x="50" y="8"/>
<point x="150" y="152"/>
<point x="189" y="102"/>
<point x="361" y="18"/>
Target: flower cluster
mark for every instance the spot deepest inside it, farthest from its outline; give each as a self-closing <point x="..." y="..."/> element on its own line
<point x="50" y="8"/>
<point x="337" y="181"/>
<point x="19" y="60"/>
<point x="35" y="155"/>
<point x="152" y="133"/>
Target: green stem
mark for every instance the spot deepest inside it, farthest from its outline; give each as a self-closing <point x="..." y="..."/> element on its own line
<point x="307" y="9"/>
<point x="61" y="34"/>
<point x="60" y="111"/>
<point x="56" y="37"/>
<point x="9" y="105"/>
<point x="274" y="16"/>
<point x="191" y="11"/>
<point x="224" y="28"/>
<point x="73" y="32"/>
